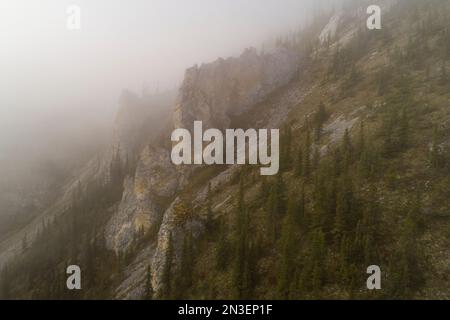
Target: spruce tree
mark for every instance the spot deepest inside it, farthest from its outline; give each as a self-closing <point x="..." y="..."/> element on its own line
<point x="240" y="272"/>
<point x="316" y="158"/>
<point x="271" y="215"/>
<point x="299" y="164"/>
<point x="344" y="209"/>
<point x="5" y="286"/>
<point x="318" y="260"/>
<point x="302" y="219"/>
<point x="276" y="207"/>
<point x="320" y="118"/>
<point x="435" y="150"/>
<point x="209" y="213"/>
<point x="265" y="190"/>
<point x="148" y="284"/>
<point x="347" y="149"/>
<point x="286" y="161"/>
<point x="382" y="82"/>
<point x="183" y="279"/>
<point x="320" y="202"/>
<point x="406" y="267"/>
<point x="222" y="253"/>
<point x="167" y="271"/>
<point x="403" y="130"/>
<point x="24" y="243"/>
<point x="307" y="154"/>
<point x="444" y="77"/>
<point x="371" y="228"/>
<point x="361" y="140"/>
<point x="288" y="245"/>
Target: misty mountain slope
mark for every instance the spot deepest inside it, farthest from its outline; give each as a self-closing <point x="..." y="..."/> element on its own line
<point x="193" y="196"/>
<point x="137" y="116"/>
<point x="157" y="182"/>
<point x="360" y="109"/>
<point x="364" y="180"/>
<point x="346" y="114"/>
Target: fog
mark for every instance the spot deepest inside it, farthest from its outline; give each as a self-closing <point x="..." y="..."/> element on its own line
<point x="59" y="88"/>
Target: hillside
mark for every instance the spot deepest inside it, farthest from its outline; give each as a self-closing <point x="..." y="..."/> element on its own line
<point x="364" y="178"/>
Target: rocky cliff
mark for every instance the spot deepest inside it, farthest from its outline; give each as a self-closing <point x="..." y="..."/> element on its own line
<point x="213" y="93"/>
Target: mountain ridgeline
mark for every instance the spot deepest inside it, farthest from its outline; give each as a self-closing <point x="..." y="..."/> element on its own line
<point x="364" y="178"/>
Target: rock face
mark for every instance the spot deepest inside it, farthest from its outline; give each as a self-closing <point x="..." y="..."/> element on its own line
<point x="331" y="27"/>
<point x="155" y="179"/>
<point x="175" y="225"/>
<point x="135" y="212"/>
<point x="133" y="285"/>
<point x="214" y="92"/>
<point x="140" y="208"/>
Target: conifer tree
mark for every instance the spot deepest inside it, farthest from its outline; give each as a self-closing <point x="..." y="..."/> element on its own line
<point x="271" y="215"/>
<point x="183" y="279"/>
<point x="307" y="153"/>
<point x="337" y="163"/>
<point x="265" y="190"/>
<point x="316" y="158"/>
<point x="320" y="202"/>
<point x="406" y="267"/>
<point x="299" y="164"/>
<point x="344" y="209"/>
<point x="320" y="118"/>
<point x="24" y="243"/>
<point x="444" y="77"/>
<point x="222" y="250"/>
<point x="435" y="150"/>
<point x="318" y="260"/>
<point x="148" y="284"/>
<point x="286" y="161"/>
<point x="347" y="149"/>
<point x="388" y="129"/>
<point x="371" y="228"/>
<point x="361" y="140"/>
<point x="302" y="219"/>
<point x="209" y="213"/>
<point x="416" y="215"/>
<point x="167" y="271"/>
<point x="240" y="212"/>
<point x="251" y="271"/>
<point x="240" y="272"/>
<point x="5" y="287"/>
<point x="276" y="207"/>
<point x="403" y="130"/>
<point x="288" y="247"/>
<point x="239" y="275"/>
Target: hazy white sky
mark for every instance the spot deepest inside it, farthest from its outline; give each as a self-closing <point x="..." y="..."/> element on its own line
<point x="50" y="73"/>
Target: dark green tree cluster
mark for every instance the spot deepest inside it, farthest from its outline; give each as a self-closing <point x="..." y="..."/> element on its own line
<point x="74" y="237"/>
<point x="276" y="208"/>
<point x="408" y="263"/>
<point x="320" y="117"/>
<point x="246" y="251"/>
<point x="286" y="149"/>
